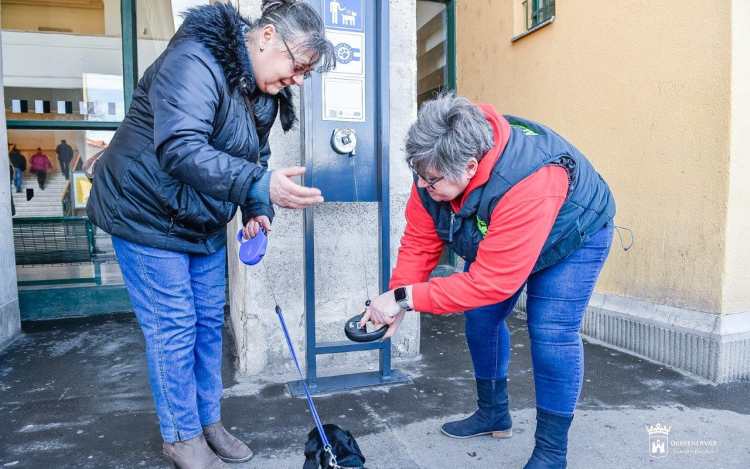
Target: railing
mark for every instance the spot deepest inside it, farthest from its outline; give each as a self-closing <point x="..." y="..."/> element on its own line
<point x="67" y="206"/>
<point x="67" y="197"/>
<point x="57" y="240"/>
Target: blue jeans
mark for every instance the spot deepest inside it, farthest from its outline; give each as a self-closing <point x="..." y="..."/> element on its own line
<point x="179" y="299"/>
<point x="18" y="179"/>
<point x="556" y="299"/>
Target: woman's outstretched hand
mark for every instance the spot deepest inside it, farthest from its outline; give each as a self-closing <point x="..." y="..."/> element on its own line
<point x="287" y="194"/>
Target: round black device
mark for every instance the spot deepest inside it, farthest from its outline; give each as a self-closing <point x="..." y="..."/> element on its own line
<point x="360" y="334"/>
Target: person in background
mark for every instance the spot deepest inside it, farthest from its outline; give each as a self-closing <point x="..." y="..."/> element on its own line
<point x="64" y="156"/>
<point x="12" y="205"/>
<point x="19" y="166"/>
<point x="40" y="164"/>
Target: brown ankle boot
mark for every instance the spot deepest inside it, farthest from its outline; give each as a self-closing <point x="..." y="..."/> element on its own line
<point x="192" y="454"/>
<point x="227" y="447"/>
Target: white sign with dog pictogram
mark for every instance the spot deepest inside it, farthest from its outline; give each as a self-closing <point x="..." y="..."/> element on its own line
<point x="344" y="14"/>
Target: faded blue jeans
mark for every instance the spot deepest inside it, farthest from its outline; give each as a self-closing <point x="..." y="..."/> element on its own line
<point x="18" y="179"/>
<point x="556" y="300"/>
<point x="179" y="299"/>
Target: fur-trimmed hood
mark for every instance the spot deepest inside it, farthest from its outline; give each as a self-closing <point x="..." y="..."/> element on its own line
<point x="223" y="31"/>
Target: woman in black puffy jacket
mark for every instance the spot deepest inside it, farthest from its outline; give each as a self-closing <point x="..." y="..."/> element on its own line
<point x="192" y="148"/>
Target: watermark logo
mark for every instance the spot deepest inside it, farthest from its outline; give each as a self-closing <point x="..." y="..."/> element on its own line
<point x="659" y="443"/>
<point x="658" y="440"/>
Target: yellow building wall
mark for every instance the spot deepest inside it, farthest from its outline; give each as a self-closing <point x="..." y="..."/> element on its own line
<point x="737" y="278"/>
<point x="644" y="90"/>
<point x="30" y="17"/>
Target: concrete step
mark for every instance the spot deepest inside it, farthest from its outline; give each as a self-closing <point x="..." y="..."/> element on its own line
<point x="57" y="188"/>
<point x="37" y="212"/>
<point x="38" y="215"/>
<point x="54" y="180"/>
<point x="48" y="190"/>
<point x="47" y="186"/>
<point x="53" y="177"/>
<point x="37" y="206"/>
<point x="35" y="185"/>
<point x="41" y="193"/>
<point x="37" y="201"/>
<point x="40" y="203"/>
<point x="45" y="203"/>
<point x="39" y="209"/>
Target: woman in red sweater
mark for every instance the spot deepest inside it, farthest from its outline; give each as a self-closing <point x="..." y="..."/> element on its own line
<point x="40" y="164"/>
<point x="524" y="208"/>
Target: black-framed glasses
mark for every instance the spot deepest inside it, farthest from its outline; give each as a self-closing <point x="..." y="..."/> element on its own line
<point x="432" y="182"/>
<point x="299" y="69"/>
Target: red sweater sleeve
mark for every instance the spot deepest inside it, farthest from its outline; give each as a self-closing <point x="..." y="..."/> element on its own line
<point x="517" y="231"/>
<point x="420" y="246"/>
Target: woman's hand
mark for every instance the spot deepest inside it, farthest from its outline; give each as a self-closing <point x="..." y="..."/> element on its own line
<point x="394" y="325"/>
<point x="253" y="226"/>
<point x="382" y="310"/>
<point x="287" y="194"/>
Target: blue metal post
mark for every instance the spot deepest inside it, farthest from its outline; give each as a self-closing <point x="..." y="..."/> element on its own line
<point x="384" y="192"/>
<point x="309" y="243"/>
<point x="385" y="375"/>
<point x="310" y="339"/>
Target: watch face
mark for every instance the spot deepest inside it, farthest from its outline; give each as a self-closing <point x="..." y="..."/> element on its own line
<point x="400" y="294"/>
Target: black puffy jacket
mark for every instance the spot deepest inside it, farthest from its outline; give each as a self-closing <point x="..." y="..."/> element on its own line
<point x="188" y="150"/>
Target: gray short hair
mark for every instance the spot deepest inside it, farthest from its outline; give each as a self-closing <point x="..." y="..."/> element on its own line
<point x="293" y="19"/>
<point x="449" y="131"/>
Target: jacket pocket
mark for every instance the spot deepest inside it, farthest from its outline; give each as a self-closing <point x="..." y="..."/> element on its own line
<point x="199" y="214"/>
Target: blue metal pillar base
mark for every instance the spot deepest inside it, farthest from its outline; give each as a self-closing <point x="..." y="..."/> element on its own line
<point x="346" y="382"/>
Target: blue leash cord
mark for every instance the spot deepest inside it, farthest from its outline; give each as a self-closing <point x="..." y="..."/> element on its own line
<point x="313" y="410"/>
<point x="304" y="384"/>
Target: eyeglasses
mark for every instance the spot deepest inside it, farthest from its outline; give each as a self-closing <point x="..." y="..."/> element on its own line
<point x="432" y="182"/>
<point x="298" y="68"/>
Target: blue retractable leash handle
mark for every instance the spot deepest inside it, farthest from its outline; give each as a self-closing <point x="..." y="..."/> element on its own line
<point x="253" y="250"/>
<point x="251" y="253"/>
